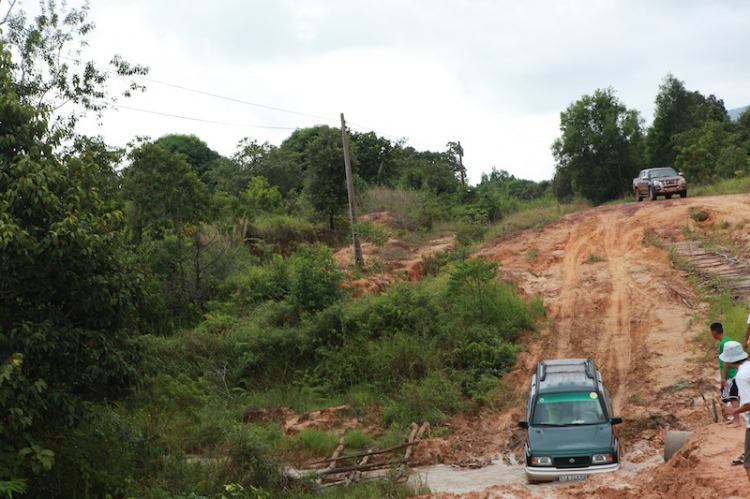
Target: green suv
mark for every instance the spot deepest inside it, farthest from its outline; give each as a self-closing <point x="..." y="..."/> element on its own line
<point x="570" y="424"/>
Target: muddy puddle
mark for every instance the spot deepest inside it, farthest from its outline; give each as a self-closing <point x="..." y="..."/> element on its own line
<point x="444" y="478"/>
<point x="452" y="479"/>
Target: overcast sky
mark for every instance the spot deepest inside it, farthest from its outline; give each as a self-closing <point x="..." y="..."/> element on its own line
<point x="494" y="75"/>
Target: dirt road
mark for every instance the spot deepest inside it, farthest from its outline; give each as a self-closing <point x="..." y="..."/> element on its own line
<point x="612" y="294"/>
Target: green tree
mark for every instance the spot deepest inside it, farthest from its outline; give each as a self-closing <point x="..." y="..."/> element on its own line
<point x="195" y="151"/>
<point x="232" y="175"/>
<point x="710" y="152"/>
<point x="164" y="190"/>
<point x="68" y="289"/>
<point x="261" y="196"/>
<point x="677" y="111"/>
<point x="315" y="282"/>
<point x="326" y="176"/>
<point x="426" y="170"/>
<point x="376" y="157"/>
<point x="601" y="146"/>
<point x="49" y="72"/>
<point x="472" y="277"/>
<point x="671" y="116"/>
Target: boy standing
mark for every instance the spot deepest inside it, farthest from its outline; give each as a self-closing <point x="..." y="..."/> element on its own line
<point x="735" y="355"/>
<point x="729" y="393"/>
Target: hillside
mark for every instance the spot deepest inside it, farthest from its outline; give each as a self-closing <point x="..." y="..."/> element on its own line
<point x="612" y="293"/>
<point x="735" y="113"/>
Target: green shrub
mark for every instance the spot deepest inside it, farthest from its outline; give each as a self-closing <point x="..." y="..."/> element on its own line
<point x="468" y="233"/>
<point x="315" y="281"/>
<point x="358" y="439"/>
<point x="104" y="455"/>
<point x="317" y="442"/>
<point x="432" y="399"/>
<point x="371" y="233"/>
<point x="255" y="284"/>
<point x="283" y="230"/>
<point x="250" y="461"/>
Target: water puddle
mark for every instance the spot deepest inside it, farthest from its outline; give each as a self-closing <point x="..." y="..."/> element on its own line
<point x="444" y="478"/>
<point x="456" y="480"/>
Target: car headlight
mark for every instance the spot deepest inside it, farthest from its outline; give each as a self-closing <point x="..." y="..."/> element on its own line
<point x="602" y="459"/>
<point x="658" y="184"/>
<point x="541" y="461"/>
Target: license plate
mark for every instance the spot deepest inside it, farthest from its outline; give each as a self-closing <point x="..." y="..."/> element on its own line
<point x="573" y="478"/>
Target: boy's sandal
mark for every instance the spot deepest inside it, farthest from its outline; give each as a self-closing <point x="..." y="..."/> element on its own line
<point x="739" y="460"/>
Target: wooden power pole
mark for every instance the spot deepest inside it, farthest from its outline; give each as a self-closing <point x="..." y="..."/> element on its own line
<point x="461" y="162"/>
<point x="350" y="189"/>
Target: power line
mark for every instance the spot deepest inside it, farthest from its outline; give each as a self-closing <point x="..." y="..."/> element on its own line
<point x="120" y="106"/>
<point x="232" y="99"/>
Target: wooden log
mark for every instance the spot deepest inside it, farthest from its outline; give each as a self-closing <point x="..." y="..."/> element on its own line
<point x="369" y="453"/>
<point x="357" y="467"/>
<point x="336" y="453"/>
<point x="355" y="475"/>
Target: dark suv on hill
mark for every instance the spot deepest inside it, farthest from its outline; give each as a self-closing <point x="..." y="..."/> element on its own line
<point x="570" y="426"/>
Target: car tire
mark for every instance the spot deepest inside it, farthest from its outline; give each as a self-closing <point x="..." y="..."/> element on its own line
<point x="683" y="194"/>
<point x="651" y="194"/>
<point x="638" y="196"/>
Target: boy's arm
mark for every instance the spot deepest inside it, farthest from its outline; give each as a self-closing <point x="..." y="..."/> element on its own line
<point x="724" y="370"/>
<point x="747" y="333"/>
<point x="738" y="410"/>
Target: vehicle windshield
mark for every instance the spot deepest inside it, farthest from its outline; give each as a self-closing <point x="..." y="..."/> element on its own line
<point x="559" y="409"/>
<point x="663" y="172"/>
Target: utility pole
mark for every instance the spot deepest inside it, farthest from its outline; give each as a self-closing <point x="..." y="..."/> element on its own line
<point x="350" y="189"/>
<point x="461" y="162"/>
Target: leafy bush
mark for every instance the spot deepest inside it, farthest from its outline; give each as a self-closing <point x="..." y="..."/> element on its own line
<point x="250" y="461"/>
<point x="104" y="455"/>
<point x="371" y="233"/>
<point x="431" y="399"/>
<point x="283" y="230"/>
<point x="317" y="442"/>
<point x="255" y="284"/>
<point x="315" y="281"/>
<point x="468" y="233"/>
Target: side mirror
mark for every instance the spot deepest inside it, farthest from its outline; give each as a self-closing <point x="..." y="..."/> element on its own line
<point x="615" y="420"/>
<point x="679" y="173"/>
<point x="524" y="424"/>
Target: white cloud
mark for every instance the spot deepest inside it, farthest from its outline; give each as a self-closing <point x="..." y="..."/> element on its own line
<point x="493" y="74"/>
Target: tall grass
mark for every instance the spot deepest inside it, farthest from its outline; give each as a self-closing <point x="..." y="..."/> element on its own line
<point x="283" y="229"/>
<point x="732" y="313"/>
<point x="534" y="214"/>
<point x="738" y="185"/>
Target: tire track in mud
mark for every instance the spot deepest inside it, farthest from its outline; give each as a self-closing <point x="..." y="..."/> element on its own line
<point x="618" y="337"/>
<point x="600" y="308"/>
<point x="569" y="321"/>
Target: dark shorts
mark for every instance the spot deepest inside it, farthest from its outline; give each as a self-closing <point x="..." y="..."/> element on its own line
<point x="729" y="392"/>
<point x="746" y="464"/>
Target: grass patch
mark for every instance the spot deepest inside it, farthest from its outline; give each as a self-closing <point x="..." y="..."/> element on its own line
<point x="534" y="214"/>
<point x="739" y="185"/>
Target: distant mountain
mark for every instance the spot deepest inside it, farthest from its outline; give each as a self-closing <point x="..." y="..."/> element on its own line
<point x="735" y="113"/>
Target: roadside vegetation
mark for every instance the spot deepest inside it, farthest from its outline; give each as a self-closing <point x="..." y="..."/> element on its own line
<point x="151" y="296"/>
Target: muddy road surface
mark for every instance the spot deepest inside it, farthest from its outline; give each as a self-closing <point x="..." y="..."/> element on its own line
<point x="611" y="293"/>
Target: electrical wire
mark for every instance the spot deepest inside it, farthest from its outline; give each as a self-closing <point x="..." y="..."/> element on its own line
<point x="231" y="99"/>
<point x="120" y="106"/>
